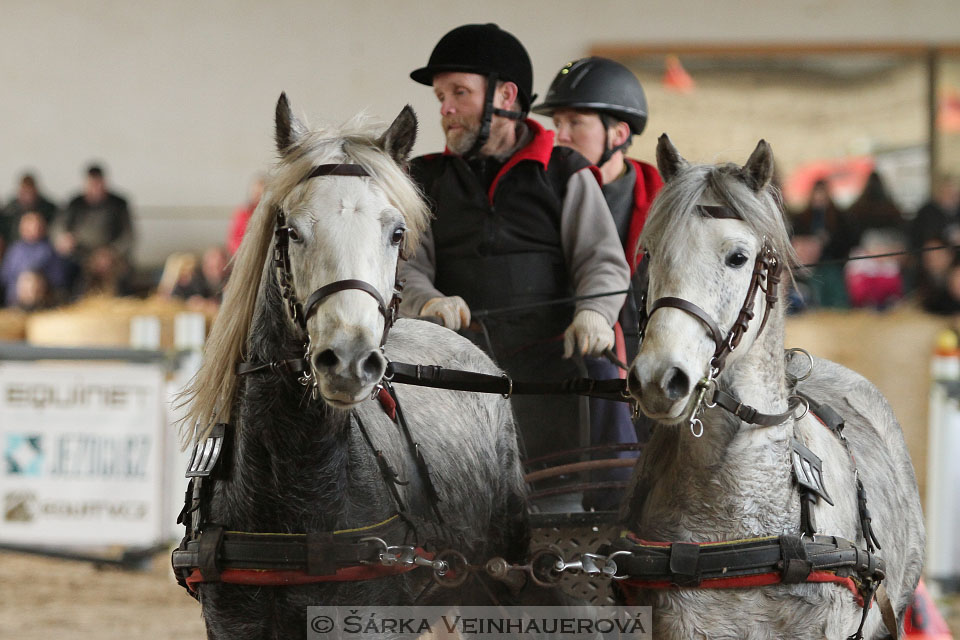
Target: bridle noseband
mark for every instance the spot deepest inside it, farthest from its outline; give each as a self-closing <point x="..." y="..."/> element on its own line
<point x="767" y="269"/>
<point x="300" y="312"/>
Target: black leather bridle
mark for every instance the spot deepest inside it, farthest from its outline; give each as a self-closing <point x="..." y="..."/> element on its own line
<point x="300" y="312"/>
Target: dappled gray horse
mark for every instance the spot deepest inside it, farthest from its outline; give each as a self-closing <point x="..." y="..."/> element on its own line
<point x="715" y="470"/>
<point x="317" y="455"/>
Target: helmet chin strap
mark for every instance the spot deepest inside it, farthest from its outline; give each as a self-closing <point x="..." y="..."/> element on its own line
<point x="609" y="150"/>
<point x="488" y="112"/>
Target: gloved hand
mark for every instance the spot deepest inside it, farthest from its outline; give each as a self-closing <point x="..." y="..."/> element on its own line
<point x="589" y="333"/>
<point x="452" y="310"/>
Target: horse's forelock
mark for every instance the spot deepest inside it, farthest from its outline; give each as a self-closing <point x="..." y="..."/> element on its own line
<point x="674" y="211"/>
<point x="356" y="142"/>
<point x="209" y="395"/>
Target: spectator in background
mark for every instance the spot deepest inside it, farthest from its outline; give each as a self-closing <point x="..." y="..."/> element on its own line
<point x="875" y="209"/>
<point x="934" y="264"/>
<point x="96" y="231"/>
<point x="946" y="298"/>
<point x="821" y="232"/>
<point x="876" y="282"/>
<point x="201" y="287"/>
<point x="32" y="292"/>
<point x="939" y="217"/>
<point x="214" y="271"/>
<point x="241" y="216"/>
<point x="32" y="253"/>
<point x="879" y="228"/>
<point x="28" y="198"/>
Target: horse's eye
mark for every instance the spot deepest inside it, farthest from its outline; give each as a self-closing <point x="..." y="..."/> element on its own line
<point x="293" y="234"/>
<point x="397" y="236"/>
<point x="736" y="259"/>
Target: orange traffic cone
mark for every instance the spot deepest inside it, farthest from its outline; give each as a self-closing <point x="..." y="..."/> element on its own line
<point x="676" y="77"/>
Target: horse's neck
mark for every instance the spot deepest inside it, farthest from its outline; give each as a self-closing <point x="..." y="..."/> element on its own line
<point x="734" y="481"/>
<point x="292" y="456"/>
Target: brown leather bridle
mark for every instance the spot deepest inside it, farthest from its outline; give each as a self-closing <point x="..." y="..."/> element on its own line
<point x="767" y="269"/>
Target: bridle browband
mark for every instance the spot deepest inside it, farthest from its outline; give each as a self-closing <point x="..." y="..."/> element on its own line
<point x="767" y="269"/>
<point x="300" y="312"/>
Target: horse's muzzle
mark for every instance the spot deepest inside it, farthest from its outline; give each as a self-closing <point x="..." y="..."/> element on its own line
<point x="347" y="371"/>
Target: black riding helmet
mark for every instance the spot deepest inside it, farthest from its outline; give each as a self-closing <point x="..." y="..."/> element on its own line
<point x="487" y="50"/>
<point x="598" y="84"/>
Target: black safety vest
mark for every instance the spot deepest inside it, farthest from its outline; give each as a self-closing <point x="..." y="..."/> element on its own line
<point x="503" y="250"/>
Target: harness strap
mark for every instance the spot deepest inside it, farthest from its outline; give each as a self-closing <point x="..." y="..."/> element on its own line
<point x="390" y="477"/>
<point x="279" y="367"/>
<point x="435" y="376"/>
<point x="288" y="558"/>
<point x="325" y="291"/>
<point x="355" y="170"/>
<point x="751" y="415"/>
<point x="790" y="558"/>
<point x="692" y="309"/>
<point x="423" y="470"/>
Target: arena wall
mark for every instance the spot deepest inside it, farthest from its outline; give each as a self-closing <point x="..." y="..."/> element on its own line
<point x="177" y="97"/>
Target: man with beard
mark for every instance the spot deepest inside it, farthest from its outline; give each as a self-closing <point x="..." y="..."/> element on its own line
<point x="518" y="223"/>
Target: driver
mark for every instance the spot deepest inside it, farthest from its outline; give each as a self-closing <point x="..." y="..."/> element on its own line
<point x="517" y="221"/>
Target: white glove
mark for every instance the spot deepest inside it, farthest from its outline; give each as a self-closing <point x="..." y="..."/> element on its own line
<point x="452" y="310"/>
<point x="589" y="333"/>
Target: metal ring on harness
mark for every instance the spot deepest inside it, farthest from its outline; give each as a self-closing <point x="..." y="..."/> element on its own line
<point x="612" y="558"/>
<point x="509" y="392"/>
<point x="456" y="571"/>
<point x="809" y="359"/>
<point x="543" y="567"/>
<point x="806" y="406"/>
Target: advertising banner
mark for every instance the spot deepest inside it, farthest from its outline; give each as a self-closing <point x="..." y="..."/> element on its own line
<point x="83" y="449"/>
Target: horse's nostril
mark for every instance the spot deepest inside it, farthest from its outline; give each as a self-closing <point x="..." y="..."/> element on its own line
<point x="633" y="381"/>
<point x="326" y="359"/>
<point x="374" y="366"/>
<point x="678" y="384"/>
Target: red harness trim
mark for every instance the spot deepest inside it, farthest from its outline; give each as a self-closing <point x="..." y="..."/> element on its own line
<point x="283" y="577"/>
<point x="387" y="403"/>
<point x="758" y="580"/>
<point x="733" y="582"/>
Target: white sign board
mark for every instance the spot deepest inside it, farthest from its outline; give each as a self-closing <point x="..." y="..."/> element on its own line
<point x="82" y="446"/>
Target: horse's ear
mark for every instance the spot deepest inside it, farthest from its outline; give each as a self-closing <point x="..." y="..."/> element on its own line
<point x="758" y="171"/>
<point x="669" y="160"/>
<point x="399" y="137"/>
<point x="289" y="128"/>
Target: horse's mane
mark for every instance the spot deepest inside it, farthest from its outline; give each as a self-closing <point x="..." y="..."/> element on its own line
<point x="674" y="211"/>
<point x="210" y="395"/>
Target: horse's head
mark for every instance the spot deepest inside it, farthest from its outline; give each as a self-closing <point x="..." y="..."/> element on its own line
<point x="342" y="207"/>
<point x="338" y="212"/>
<point x="709" y="231"/>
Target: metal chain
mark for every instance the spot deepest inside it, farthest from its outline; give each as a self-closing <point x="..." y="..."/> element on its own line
<point x="545" y="568"/>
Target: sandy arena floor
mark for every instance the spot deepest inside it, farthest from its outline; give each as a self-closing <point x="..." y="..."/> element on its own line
<point x="41" y="598"/>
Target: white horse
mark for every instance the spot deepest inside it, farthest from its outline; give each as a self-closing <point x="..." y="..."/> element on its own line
<point x="709" y="231"/>
<point x="309" y="292"/>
